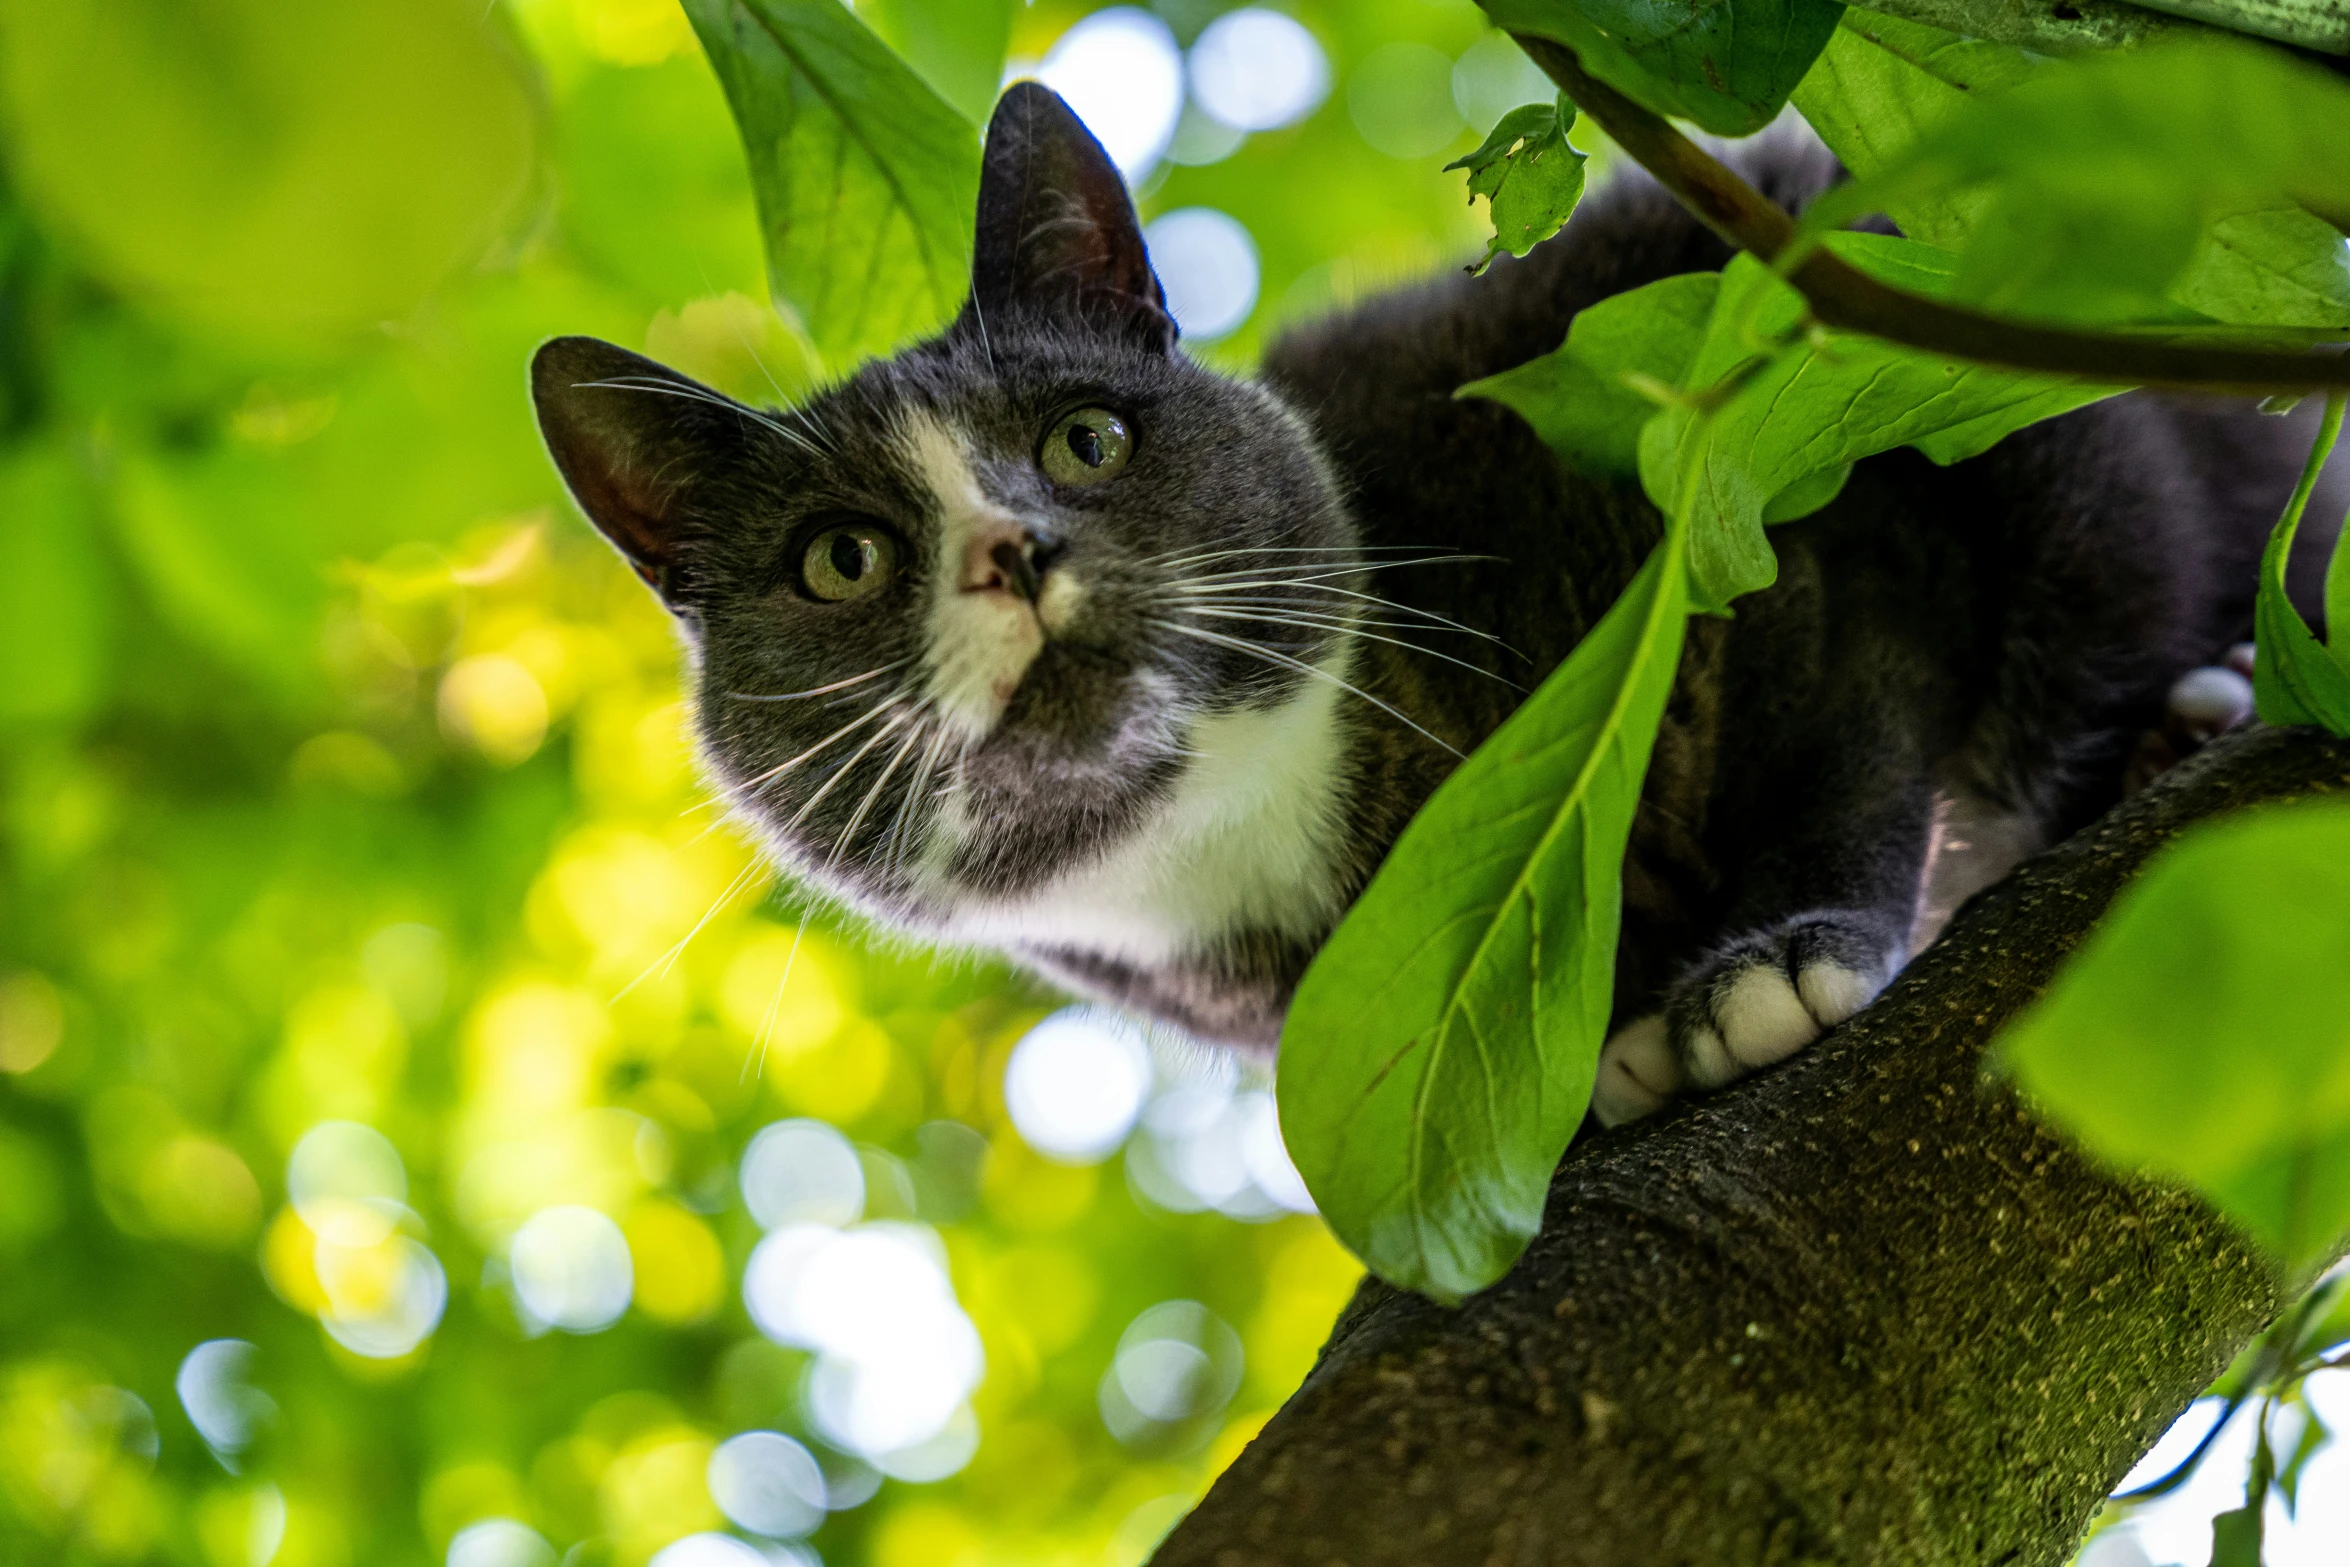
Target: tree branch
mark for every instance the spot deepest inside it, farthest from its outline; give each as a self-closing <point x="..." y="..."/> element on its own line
<point x="1843" y="296"/>
<point x="1862" y="1309"/>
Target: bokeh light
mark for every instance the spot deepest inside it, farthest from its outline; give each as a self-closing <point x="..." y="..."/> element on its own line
<point x="768" y="1484"/>
<point x="802" y="1172"/>
<point x="382" y="1299"/>
<point x="1076" y="1082"/>
<point x="1122" y="74"/>
<point x="572" y="1268"/>
<point x="1177" y="1365"/>
<point x="1208" y="264"/>
<point x="1258" y="70"/>
<point x="896" y="1353"/>
<point x="216" y="1389"/>
<point x="710" y="1550"/>
<point x="499" y="1542"/>
<point x="347" y="1182"/>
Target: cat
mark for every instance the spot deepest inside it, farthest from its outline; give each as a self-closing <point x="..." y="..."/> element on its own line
<point x="1042" y="638"/>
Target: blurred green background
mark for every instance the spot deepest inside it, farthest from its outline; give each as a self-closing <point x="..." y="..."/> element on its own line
<point x="384" y="1014"/>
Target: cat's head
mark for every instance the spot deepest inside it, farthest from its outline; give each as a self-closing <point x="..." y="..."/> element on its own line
<point x="956" y="619"/>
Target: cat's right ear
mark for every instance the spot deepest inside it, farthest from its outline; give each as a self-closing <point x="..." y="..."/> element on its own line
<point x="1057" y="233"/>
<point x="630" y="438"/>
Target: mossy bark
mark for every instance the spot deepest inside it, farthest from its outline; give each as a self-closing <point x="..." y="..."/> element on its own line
<point x="1863" y="1308"/>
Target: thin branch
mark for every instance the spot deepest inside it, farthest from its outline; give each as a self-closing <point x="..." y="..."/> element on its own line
<point x="1841" y="295"/>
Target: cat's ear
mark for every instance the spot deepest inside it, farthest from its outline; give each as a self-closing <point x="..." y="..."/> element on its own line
<point x="1057" y="233"/>
<point x="630" y="438"/>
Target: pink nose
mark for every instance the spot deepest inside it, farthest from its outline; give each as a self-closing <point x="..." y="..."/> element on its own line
<point x="1004" y="556"/>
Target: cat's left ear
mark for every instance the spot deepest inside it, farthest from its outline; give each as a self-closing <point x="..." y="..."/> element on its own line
<point x="631" y="438"/>
<point x="1057" y="233"/>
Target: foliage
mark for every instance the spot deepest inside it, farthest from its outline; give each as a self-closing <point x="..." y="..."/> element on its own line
<point x="1737" y="412"/>
<point x="2197" y="1037"/>
<point x="1727" y="64"/>
<point x="866" y="179"/>
<point x="1530" y="175"/>
<point x="342" y="778"/>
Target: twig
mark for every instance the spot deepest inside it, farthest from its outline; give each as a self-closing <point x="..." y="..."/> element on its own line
<point x="1843" y="296"/>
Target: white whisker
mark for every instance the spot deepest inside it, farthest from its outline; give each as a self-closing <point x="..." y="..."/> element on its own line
<point x="1353" y="628"/>
<point x="1257" y="650"/>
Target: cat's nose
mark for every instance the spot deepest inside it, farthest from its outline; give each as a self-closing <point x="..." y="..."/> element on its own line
<point x="1010" y="557"/>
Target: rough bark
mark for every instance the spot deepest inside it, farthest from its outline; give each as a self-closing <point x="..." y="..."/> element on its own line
<point x="1863" y="1308"/>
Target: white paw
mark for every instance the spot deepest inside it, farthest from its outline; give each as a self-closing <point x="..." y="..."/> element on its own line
<point x="1759" y="1017"/>
<point x="1637" y="1072"/>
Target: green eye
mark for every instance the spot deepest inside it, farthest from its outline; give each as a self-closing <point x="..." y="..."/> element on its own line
<point x="1085" y="447"/>
<point x="849" y="562"/>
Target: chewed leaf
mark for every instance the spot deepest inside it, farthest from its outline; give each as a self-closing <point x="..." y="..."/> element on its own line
<point x="1582" y="398"/>
<point x="1442" y="1048"/>
<point x="1529" y="175"/>
<point x="2197" y="1036"/>
<point x="866" y="180"/>
<point x="1727" y="64"/>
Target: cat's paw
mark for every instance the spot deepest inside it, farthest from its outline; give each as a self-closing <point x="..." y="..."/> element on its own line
<point x="2203" y="705"/>
<point x="1766" y="995"/>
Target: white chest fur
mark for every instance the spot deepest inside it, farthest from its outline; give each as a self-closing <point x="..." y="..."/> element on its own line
<point x="1248" y="840"/>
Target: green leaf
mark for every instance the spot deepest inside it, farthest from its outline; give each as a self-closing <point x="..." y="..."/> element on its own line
<point x="2127" y="186"/>
<point x="866" y="179"/>
<point x="1883" y="81"/>
<point x="2296" y="680"/>
<point x="1580" y="398"/>
<point x="957" y="46"/>
<point x="2199" y="1037"/>
<point x="2275" y="267"/>
<point x="2313" y="1439"/>
<point x="1442" y="1048"/>
<point x="1727" y="64"/>
<point x="1813" y="409"/>
<point x="2235" y="1537"/>
<point x="1529" y="175"/>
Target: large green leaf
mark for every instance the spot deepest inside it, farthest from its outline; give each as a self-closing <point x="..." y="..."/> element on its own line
<point x="1811" y="410"/>
<point x="2102" y="188"/>
<point x="866" y="179"/>
<point x="1881" y="82"/>
<point x="1586" y="400"/>
<point x="1727" y="64"/>
<point x="2198" y="1036"/>
<point x="1442" y="1048"/>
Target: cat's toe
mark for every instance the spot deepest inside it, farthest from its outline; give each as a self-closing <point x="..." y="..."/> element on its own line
<point x="1767" y="995"/>
<point x="1638" y="1072"/>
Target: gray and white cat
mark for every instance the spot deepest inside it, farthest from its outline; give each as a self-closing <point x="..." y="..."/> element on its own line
<point x="1041" y="637"/>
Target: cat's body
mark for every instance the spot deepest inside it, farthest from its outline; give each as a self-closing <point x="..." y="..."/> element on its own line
<point x="1147" y="718"/>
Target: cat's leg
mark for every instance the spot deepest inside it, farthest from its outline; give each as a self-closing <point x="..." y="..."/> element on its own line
<point x="1824" y="924"/>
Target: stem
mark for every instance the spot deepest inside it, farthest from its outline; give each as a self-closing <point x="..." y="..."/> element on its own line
<point x="1842" y="296"/>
